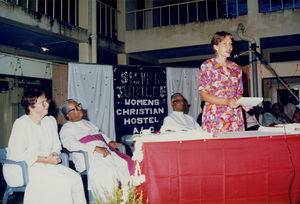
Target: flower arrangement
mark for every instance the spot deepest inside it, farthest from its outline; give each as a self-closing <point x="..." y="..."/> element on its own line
<point x="133" y="196"/>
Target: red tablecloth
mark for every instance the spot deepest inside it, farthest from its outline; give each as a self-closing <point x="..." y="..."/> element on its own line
<point x="241" y="170"/>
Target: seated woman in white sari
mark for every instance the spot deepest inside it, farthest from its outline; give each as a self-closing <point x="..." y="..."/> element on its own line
<point x="34" y="139"/>
<point x="108" y="167"/>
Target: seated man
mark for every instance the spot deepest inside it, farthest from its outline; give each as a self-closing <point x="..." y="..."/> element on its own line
<point x="275" y="116"/>
<point x="178" y="120"/>
<point x="108" y="167"/>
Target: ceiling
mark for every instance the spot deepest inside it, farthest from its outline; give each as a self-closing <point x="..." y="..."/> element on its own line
<point x="20" y="41"/>
<point x="23" y="42"/>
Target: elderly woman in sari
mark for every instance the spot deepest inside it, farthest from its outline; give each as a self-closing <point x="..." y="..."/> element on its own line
<point x="34" y="139"/>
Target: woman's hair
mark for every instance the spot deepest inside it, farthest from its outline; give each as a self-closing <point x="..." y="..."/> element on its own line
<point x="64" y="109"/>
<point x="30" y="97"/>
<point x="218" y="37"/>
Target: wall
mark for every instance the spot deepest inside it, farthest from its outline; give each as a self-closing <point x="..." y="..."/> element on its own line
<point x="11" y="68"/>
<point x="19" y="66"/>
<point x="257" y="25"/>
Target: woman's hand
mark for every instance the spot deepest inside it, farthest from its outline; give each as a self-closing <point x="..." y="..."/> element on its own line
<point x="53" y="158"/>
<point x="232" y="103"/>
<point x="102" y="150"/>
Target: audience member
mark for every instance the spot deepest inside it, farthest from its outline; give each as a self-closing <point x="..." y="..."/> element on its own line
<point x="178" y="120"/>
<point x="34" y="139"/>
<point x="275" y="116"/>
<point x="289" y="110"/>
<point x="296" y="116"/>
<point x="108" y="167"/>
<point x="251" y="119"/>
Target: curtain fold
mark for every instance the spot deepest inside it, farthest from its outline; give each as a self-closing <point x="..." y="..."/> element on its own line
<point x="92" y="85"/>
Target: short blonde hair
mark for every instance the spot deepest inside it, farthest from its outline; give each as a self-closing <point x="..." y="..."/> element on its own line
<point x="219" y="37"/>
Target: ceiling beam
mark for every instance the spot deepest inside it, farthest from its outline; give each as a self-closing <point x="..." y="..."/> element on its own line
<point x="18" y="16"/>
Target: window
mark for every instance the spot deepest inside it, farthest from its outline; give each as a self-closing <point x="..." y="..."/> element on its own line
<point x="276" y="5"/>
<point x="174" y="12"/>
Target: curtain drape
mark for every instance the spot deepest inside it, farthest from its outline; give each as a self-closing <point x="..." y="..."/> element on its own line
<point x="92" y="86"/>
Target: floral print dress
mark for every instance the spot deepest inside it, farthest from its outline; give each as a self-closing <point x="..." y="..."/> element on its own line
<point x="224" y="82"/>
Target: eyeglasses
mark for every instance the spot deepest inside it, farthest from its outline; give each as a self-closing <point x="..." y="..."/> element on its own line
<point x="178" y="101"/>
<point x="77" y="107"/>
<point x="48" y="101"/>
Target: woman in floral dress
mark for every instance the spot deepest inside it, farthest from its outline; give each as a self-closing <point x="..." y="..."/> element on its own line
<point x="220" y="85"/>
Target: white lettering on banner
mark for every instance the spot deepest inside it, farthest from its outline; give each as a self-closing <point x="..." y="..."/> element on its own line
<point x="142" y="78"/>
<point x="144" y="102"/>
<point x="132" y="121"/>
<point x="140" y="111"/>
<point x="137" y="131"/>
<point x="141" y="91"/>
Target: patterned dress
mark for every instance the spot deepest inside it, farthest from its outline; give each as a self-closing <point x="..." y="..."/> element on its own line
<point x="224" y="82"/>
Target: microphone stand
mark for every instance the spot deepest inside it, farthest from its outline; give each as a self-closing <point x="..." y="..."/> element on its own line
<point x="261" y="59"/>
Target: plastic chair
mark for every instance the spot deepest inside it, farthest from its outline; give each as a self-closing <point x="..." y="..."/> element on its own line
<point x="9" y="189"/>
<point x="85" y="172"/>
<point x="121" y="148"/>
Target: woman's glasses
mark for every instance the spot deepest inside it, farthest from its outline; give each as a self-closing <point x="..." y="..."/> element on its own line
<point x="48" y="101"/>
<point x="77" y="107"/>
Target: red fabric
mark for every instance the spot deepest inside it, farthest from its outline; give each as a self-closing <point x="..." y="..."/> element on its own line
<point x="241" y="170"/>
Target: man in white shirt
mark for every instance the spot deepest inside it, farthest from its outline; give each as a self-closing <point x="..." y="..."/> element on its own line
<point x="108" y="168"/>
<point x="178" y="120"/>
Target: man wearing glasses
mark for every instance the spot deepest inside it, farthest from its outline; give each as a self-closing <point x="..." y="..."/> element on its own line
<point x="178" y="120"/>
<point x="108" y="167"/>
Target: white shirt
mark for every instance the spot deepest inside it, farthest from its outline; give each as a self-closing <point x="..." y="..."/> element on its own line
<point x="178" y="121"/>
<point x="72" y="132"/>
<point x="104" y="172"/>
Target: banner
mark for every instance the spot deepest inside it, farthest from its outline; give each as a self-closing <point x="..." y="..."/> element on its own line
<point x="140" y="99"/>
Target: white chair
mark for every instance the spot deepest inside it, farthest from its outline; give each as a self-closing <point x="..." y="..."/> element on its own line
<point x="121" y="148"/>
<point x="9" y="189"/>
<point x="85" y="172"/>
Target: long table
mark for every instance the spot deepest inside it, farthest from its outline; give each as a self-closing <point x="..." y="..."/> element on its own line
<point x="255" y="168"/>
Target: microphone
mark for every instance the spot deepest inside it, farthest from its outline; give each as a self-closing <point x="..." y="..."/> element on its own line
<point x="241" y="54"/>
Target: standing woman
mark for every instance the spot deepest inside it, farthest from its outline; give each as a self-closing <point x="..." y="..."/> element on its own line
<point x="220" y="85"/>
<point x="34" y="139"/>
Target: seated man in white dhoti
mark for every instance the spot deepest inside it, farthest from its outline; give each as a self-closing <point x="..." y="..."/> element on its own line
<point x="108" y="167"/>
<point x="178" y="120"/>
<point x="34" y="139"/>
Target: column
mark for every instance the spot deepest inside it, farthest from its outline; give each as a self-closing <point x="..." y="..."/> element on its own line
<point x="87" y="10"/>
<point x="123" y="59"/>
